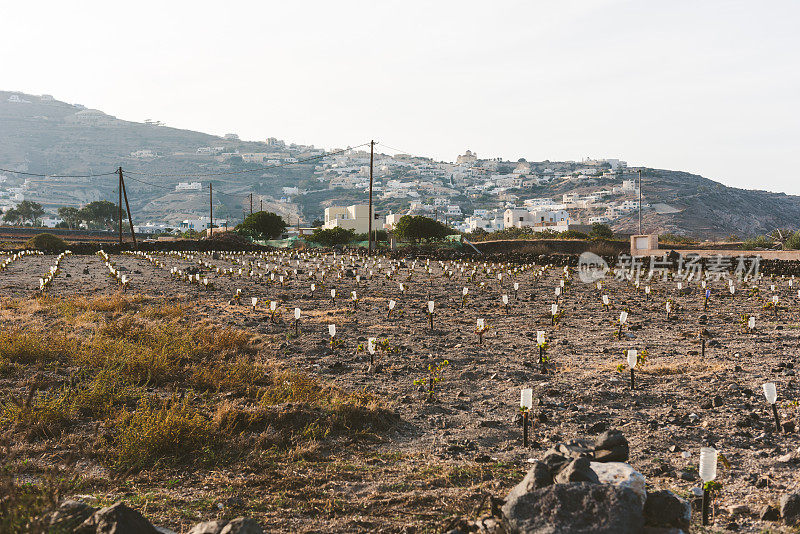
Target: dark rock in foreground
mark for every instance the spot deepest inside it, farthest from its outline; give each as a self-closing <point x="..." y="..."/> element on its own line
<point x="116" y="519"/>
<point x="577" y="507"/>
<point x="665" y="509"/>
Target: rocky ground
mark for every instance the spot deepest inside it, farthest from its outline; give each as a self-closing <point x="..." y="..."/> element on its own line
<point x="443" y="457"/>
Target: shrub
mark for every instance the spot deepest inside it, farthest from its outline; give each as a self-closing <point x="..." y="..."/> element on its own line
<point x="573" y="234"/>
<point x="792" y="242"/>
<point x="758" y="242"/>
<point x="47" y="243"/>
<point x="601" y="230"/>
<point x="332" y="236"/>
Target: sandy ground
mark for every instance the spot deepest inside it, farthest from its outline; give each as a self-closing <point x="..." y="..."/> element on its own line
<point x="682" y="401"/>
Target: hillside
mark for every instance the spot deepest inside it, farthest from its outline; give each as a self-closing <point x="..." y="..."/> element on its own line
<point x="51" y="137"/>
<point x="708" y="208"/>
<point x="689" y="204"/>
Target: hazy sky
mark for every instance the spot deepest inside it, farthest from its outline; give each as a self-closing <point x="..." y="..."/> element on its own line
<point x="711" y="87"/>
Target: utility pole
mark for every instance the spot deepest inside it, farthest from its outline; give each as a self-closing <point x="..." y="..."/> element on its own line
<point x="371" y="154"/>
<point x="128" y="209"/>
<point x="640" y="201"/>
<point x="251" y="203"/>
<point x="119" y="205"/>
<point x="211" y="207"/>
<point x="262" y="204"/>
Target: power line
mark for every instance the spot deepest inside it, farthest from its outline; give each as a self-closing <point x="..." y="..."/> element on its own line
<point x="384" y="145"/>
<point x="60" y="175"/>
<point x="267" y="167"/>
<point x="172" y="188"/>
<point x="127" y="173"/>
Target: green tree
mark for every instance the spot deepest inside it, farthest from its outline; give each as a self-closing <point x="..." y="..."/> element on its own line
<point x="418" y="228"/>
<point x="100" y="214"/>
<point x="263" y="224"/>
<point x="332" y="236"/>
<point x="601" y="230"/>
<point x="29" y="211"/>
<point x="12" y="216"/>
<point x="70" y="215"/>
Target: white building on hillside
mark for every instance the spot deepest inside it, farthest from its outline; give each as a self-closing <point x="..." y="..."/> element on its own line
<point x="200" y="224"/>
<point x="187" y="186"/>
<point x="453" y="210"/>
<point x="391" y="220"/>
<point x="489" y="222"/>
<point x="51" y="222"/>
<point x="522" y="218"/>
<point x="355" y="217"/>
<point x="150" y="228"/>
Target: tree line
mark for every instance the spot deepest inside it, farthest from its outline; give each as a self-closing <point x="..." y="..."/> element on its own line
<point x="100" y="214"/>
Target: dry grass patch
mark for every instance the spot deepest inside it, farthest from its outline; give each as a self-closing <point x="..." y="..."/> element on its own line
<point x="107" y="303"/>
<point x="110" y="303"/>
<point x="28" y="346"/>
<point x="156" y="432"/>
<point x="106" y="392"/>
<point x="168" y="311"/>
<point x="241" y="376"/>
<point x="297" y="408"/>
<point x="223" y="340"/>
<point x="40" y="416"/>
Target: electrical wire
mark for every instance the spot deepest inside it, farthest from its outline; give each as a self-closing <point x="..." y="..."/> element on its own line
<point x="172" y="188"/>
<point x="60" y="175"/>
<point x="393" y="148"/>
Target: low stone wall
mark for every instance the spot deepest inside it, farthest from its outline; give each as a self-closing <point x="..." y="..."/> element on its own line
<point x="789" y="255"/>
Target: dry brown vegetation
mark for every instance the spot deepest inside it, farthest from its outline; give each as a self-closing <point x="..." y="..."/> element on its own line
<point x="138" y="386"/>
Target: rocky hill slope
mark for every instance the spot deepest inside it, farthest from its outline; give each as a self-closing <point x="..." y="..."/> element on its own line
<point x="43" y="135"/>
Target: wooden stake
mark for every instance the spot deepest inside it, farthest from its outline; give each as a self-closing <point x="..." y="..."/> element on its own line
<point x="777" y="418"/>
<point x="525" y="428"/>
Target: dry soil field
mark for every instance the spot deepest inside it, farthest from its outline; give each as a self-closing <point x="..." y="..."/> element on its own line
<point x="188" y="405"/>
